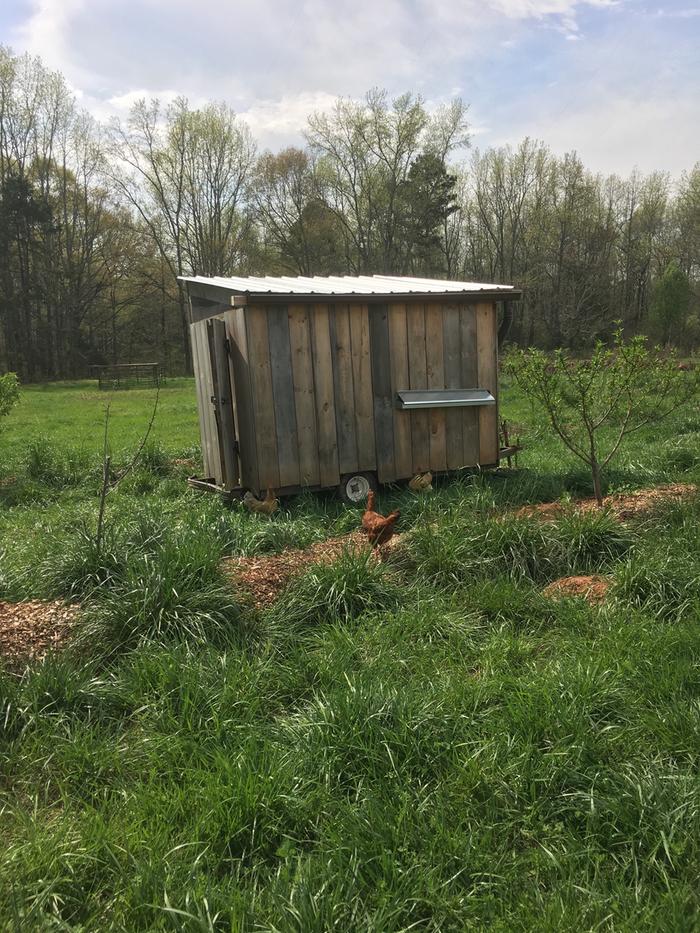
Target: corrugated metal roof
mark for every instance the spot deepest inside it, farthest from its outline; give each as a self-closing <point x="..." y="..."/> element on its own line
<point x="345" y="285"/>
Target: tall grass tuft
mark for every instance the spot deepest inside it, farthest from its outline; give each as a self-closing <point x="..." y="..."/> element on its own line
<point x="664" y="582"/>
<point x="591" y="541"/>
<point x="471" y="547"/>
<point x="681" y="454"/>
<point x="75" y="568"/>
<point x="338" y="592"/>
<point x="155" y="459"/>
<point x="161" y="599"/>
<point x="57" y="467"/>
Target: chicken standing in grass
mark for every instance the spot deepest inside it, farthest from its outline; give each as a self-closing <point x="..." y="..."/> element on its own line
<point x="378" y="528"/>
<point x="263" y="507"/>
<point x="421" y="482"/>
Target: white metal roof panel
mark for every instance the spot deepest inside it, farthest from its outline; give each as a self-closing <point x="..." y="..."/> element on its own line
<point x="255" y="286"/>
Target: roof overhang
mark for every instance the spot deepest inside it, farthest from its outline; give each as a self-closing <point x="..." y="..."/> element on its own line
<point x="236" y="294"/>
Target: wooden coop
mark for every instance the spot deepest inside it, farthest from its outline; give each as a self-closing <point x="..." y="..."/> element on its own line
<point x="343" y="381"/>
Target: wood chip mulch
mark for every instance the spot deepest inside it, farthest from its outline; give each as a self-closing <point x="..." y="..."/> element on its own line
<point x="594" y="588"/>
<point x="623" y="505"/>
<point x="29" y="630"/>
<point x="264" y="577"/>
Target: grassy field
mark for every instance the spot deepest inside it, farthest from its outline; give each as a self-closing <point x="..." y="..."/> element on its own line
<point x="424" y="744"/>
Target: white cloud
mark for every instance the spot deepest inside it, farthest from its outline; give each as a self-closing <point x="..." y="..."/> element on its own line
<point x="278" y="122"/>
<point x="519" y="63"/>
<point x="619" y="134"/>
<point x="688" y="13"/>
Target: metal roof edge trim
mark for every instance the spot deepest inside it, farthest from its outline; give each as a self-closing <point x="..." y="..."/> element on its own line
<point x="496" y="292"/>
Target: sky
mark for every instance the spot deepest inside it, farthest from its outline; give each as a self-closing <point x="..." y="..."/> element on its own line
<point x="616" y="80"/>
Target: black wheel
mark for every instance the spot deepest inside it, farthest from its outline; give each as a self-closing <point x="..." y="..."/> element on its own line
<point x="354" y="487"/>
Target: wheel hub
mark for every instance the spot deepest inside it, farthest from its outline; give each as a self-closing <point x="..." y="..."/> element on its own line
<point x="357" y="488"/>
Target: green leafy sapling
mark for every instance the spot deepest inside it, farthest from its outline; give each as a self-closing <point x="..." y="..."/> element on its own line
<point x="9" y="393"/>
<point x="594" y="404"/>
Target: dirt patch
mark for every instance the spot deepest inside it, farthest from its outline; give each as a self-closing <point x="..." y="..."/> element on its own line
<point x="29" y="630"/>
<point x="623" y="505"/>
<point x="262" y="578"/>
<point x="594" y="588"/>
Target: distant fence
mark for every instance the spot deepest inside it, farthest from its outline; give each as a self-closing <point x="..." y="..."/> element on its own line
<point x="129" y="376"/>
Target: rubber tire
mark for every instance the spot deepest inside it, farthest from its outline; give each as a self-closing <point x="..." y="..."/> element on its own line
<point x="366" y="481"/>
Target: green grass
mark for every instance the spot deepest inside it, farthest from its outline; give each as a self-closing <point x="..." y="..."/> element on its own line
<point x="72" y="415"/>
<point x="429" y="744"/>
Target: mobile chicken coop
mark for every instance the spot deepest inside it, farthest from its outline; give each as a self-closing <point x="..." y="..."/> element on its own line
<point x="343" y="381"/>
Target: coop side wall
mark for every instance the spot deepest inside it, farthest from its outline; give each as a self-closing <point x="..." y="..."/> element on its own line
<point x="316" y="383"/>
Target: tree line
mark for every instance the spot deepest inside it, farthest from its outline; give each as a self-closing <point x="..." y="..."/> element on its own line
<point x="98" y="221"/>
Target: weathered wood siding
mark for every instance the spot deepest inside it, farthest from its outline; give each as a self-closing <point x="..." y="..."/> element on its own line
<point x="204" y="382"/>
<point x="443" y="345"/>
<point x="487" y="372"/>
<point x="244" y="410"/>
<point x="316" y="383"/>
<point x="223" y="390"/>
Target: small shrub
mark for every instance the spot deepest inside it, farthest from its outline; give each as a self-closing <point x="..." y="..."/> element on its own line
<point x="9" y="393"/>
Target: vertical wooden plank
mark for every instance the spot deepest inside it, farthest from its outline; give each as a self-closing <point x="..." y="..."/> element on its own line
<point x="245" y="412"/>
<point x="487" y="348"/>
<point x="398" y="349"/>
<point x="362" y="386"/>
<point x="381" y="389"/>
<point x="209" y="389"/>
<point x="224" y="406"/>
<point x="263" y="400"/>
<point x="435" y="365"/>
<point x="303" y="389"/>
<point x="228" y="328"/>
<point x="341" y="352"/>
<point x="283" y="393"/>
<point x="470" y="416"/>
<point x="217" y="465"/>
<point x="202" y="399"/>
<point x="418" y="378"/>
<point x="453" y="416"/>
<point x="329" y="474"/>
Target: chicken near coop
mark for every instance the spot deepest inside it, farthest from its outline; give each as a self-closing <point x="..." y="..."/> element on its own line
<point x="421" y="482"/>
<point x="266" y="506"/>
<point x="378" y="528"/>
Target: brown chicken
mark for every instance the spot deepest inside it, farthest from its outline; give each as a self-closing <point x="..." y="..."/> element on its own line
<point x="421" y="482"/>
<point x="378" y="528"/>
<point x="265" y="507"/>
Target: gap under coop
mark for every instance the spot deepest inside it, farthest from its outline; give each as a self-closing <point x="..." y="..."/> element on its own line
<point x="344" y="382"/>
